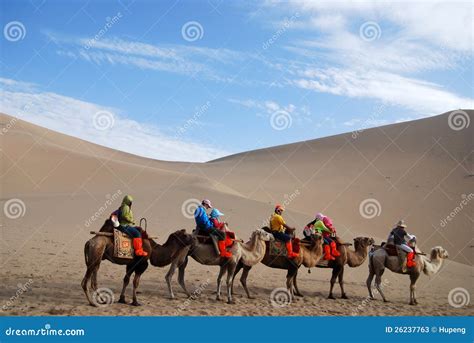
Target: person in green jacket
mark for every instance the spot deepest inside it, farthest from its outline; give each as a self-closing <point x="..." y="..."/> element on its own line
<point x="127" y="225"/>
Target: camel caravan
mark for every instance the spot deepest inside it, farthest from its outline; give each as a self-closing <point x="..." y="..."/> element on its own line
<point x="211" y="243"/>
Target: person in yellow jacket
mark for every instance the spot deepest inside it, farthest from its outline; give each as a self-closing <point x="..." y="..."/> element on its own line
<point x="279" y="227"/>
<point x="127" y="225"/>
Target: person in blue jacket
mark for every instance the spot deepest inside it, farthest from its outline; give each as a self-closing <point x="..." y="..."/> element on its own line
<point x="205" y="226"/>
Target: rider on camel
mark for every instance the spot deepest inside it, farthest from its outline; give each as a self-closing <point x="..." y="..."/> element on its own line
<point x="398" y="235"/>
<point x="127" y="225"/>
<point x="279" y="227"/>
<point x="205" y="226"/>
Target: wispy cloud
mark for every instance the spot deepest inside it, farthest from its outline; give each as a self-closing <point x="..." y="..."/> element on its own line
<point x="419" y="96"/>
<point x="300" y="114"/>
<point x="83" y="120"/>
<point x="179" y="59"/>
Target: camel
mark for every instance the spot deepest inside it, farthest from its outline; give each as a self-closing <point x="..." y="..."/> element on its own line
<point x="379" y="260"/>
<point x="99" y="248"/>
<point x="310" y="254"/>
<point x="249" y="253"/>
<point x="353" y="258"/>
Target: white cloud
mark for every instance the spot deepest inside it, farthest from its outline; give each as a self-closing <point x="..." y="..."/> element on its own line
<point x="301" y="114"/>
<point x="419" y="96"/>
<point x="76" y="118"/>
<point x="444" y="23"/>
<point x="180" y="59"/>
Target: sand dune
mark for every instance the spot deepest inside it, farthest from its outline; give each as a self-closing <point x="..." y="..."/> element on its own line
<point x="416" y="170"/>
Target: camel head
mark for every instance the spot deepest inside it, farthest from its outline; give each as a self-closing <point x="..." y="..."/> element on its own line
<point x="264" y="235"/>
<point x="439" y="253"/>
<point x="182" y="237"/>
<point x="363" y="242"/>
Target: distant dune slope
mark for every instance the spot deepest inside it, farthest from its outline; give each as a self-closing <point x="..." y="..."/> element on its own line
<point x="420" y="171"/>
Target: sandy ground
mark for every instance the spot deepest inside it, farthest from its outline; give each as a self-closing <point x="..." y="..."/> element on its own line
<point x="420" y="174"/>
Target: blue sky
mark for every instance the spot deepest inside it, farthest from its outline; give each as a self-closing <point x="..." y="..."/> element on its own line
<point x="197" y="80"/>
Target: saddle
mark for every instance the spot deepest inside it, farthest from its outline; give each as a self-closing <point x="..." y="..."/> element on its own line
<point x="123" y="247"/>
<point x="391" y="249"/>
<point x="278" y="248"/>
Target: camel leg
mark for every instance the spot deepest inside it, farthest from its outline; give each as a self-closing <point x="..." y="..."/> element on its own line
<point x="292" y="271"/>
<point x="126" y="281"/>
<point x="94" y="278"/>
<point x="169" y="278"/>
<point x="369" y="281"/>
<point x="136" y="282"/>
<point x="335" y="273"/>
<point x="237" y="270"/>
<point x="182" y="268"/>
<point x="413" y="278"/>
<point x="297" y="291"/>
<point x="243" y="281"/>
<point x="378" y="282"/>
<point x="222" y="271"/>
<point x="84" y="283"/>
<point x="341" y="283"/>
<point x="230" y="273"/>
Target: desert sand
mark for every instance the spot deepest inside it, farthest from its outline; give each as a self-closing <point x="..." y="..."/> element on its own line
<point x="420" y="171"/>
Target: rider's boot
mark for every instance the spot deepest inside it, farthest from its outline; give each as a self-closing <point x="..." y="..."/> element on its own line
<point x="138" y="246"/>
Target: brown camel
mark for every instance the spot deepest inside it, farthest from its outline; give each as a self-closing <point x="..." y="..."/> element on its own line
<point x="379" y="260"/>
<point x="310" y="254"/>
<point x="249" y="253"/>
<point x="99" y="248"/>
<point x="353" y="258"/>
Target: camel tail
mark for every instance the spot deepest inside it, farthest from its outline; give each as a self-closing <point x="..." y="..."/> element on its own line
<point x="86" y="255"/>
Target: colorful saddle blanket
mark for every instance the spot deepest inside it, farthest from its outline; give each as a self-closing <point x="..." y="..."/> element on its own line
<point x="123" y="247"/>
